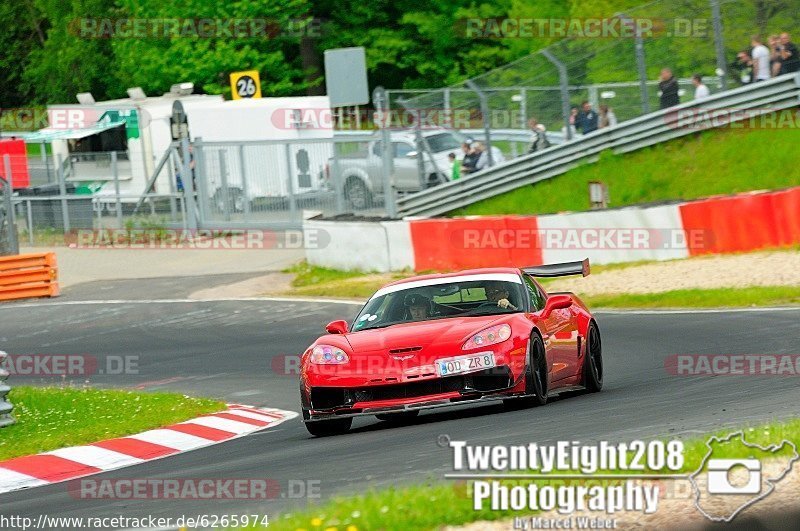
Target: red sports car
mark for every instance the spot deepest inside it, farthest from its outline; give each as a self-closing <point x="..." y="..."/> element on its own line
<point x="458" y="338"/>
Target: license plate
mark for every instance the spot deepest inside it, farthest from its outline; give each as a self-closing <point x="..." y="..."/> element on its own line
<point x="462" y="364"/>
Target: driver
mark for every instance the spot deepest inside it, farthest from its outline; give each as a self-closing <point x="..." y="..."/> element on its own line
<point x="497" y="293"/>
<point x="418" y="306"/>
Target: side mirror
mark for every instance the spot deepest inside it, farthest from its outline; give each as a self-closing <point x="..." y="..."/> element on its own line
<point x="336" y="327"/>
<point x="556" y="302"/>
<point x="411" y="155"/>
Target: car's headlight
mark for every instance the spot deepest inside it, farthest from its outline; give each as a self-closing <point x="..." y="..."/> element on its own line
<point x="328" y="355"/>
<point x="489" y="336"/>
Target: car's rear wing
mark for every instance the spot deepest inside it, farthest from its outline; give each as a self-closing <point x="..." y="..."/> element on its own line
<point x="559" y="270"/>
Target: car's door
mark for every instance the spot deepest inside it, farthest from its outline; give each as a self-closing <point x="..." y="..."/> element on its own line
<point x="405" y="167"/>
<point x="559" y="333"/>
<point x="375" y="166"/>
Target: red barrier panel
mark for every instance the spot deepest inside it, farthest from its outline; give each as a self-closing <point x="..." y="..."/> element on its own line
<point x="786" y="210"/>
<point x="745" y="222"/>
<point x="20" y="178"/>
<point x="448" y="244"/>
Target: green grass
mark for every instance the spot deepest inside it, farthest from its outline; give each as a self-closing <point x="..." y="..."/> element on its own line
<point x="313" y="281"/>
<point x="715" y="162"/>
<point x="49" y="418"/>
<point x="439" y="503"/>
<point x="310" y="275"/>
<point x="700" y="298"/>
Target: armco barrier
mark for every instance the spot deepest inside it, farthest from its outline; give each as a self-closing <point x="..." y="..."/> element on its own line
<point x="5" y="406"/>
<point x="745" y="222"/>
<point x="756" y="99"/>
<point x="24" y="276"/>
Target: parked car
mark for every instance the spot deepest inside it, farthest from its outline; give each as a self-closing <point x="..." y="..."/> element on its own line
<point x="361" y="173"/>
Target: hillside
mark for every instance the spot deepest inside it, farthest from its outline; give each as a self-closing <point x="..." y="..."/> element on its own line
<point x="710" y="163"/>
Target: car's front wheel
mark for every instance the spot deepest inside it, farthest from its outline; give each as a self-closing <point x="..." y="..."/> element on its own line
<point x="325" y="428"/>
<point x="535" y="377"/>
<point x="536" y="374"/>
<point x="593" y="364"/>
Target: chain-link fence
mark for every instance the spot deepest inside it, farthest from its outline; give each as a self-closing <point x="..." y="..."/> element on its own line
<point x="69" y="209"/>
<point x="280" y="183"/>
<point x="611" y="61"/>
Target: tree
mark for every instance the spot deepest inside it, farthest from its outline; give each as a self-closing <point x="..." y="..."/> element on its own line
<point x="65" y="63"/>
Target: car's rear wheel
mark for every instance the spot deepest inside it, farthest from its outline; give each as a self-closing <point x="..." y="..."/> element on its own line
<point x="325" y="428"/>
<point x="356" y="192"/>
<point x="401" y="416"/>
<point x="535" y="377"/>
<point x="593" y="364"/>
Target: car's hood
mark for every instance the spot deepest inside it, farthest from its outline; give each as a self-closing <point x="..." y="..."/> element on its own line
<point x="450" y="332"/>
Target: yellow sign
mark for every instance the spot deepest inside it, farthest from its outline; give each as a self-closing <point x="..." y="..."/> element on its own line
<point x="245" y="85"/>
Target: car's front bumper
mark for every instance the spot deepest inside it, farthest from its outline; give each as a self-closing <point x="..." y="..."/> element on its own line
<point x="417" y="406"/>
<point x="335" y="402"/>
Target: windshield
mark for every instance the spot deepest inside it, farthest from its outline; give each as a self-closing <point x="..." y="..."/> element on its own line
<point x="444" y="142"/>
<point x="463" y="298"/>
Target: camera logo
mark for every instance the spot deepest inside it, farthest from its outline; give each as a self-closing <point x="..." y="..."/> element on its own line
<point x="736" y="473"/>
<point x="720" y="476"/>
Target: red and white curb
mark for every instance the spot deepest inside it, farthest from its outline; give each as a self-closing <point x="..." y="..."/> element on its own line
<point x="79" y="461"/>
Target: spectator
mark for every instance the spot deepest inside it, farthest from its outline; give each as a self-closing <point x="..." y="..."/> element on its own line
<point x="479" y="151"/>
<point x="607" y="116"/>
<point x="539" y="139"/>
<point x="790" y="60"/>
<point x="455" y="167"/>
<point x="570" y="127"/>
<point x="760" y="55"/>
<point x="586" y="120"/>
<point x="668" y="86"/>
<point x="700" y="90"/>
<point x="470" y="157"/>
<point x="179" y="184"/>
<point x="483" y="157"/>
<point x="775" y="59"/>
<point x="744" y="66"/>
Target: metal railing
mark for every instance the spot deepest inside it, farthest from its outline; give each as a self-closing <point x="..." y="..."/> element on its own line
<point x="52" y="214"/>
<point x="5" y="406"/>
<point x="751" y="100"/>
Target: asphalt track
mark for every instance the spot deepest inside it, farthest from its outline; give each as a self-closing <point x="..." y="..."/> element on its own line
<point x="228" y="349"/>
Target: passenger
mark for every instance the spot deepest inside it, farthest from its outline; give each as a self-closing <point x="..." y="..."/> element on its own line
<point x="418" y="307"/>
